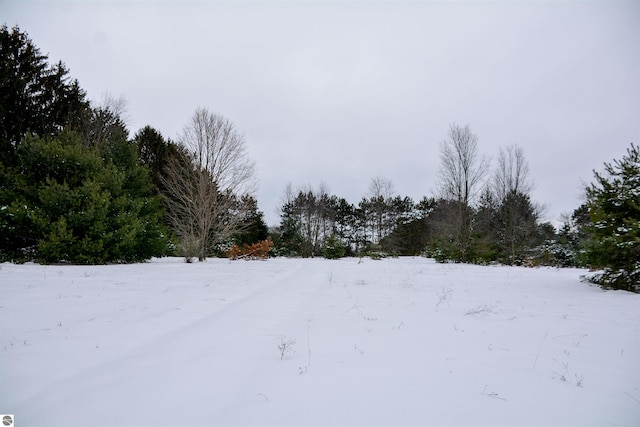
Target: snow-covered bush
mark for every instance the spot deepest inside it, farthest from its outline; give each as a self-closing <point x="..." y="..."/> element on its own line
<point x="553" y="253"/>
<point x="610" y="278"/>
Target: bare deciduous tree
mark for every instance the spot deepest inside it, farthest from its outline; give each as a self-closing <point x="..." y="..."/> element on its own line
<point x="218" y="149"/>
<point x="105" y="119"/>
<point x="118" y="106"/>
<point x="462" y="174"/>
<point x="381" y="187"/>
<point x="512" y="173"/>
<point x="206" y="184"/>
<point x="462" y="171"/>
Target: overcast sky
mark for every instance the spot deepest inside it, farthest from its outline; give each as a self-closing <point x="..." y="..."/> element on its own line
<point x="341" y="92"/>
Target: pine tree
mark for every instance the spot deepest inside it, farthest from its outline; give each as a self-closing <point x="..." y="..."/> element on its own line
<point x="35" y="97"/>
<point x="517" y="226"/>
<point x="252" y="228"/>
<point x="72" y="204"/>
<point x="334" y="248"/>
<point x="614" y="209"/>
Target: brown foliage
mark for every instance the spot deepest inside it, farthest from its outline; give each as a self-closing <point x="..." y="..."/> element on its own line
<point x="258" y="250"/>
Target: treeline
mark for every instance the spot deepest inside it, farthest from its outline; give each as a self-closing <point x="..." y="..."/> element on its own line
<point x="75" y="187"/>
<point x="508" y="230"/>
<point x="480" y="215"/>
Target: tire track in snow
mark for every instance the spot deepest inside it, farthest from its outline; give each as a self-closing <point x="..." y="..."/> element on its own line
<point x="241" y="330"/>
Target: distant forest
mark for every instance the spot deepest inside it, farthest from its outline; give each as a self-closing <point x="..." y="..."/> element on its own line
<point x="77" y="188"/>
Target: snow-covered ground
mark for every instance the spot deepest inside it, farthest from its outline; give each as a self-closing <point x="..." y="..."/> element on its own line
<point x="315" y="342"/>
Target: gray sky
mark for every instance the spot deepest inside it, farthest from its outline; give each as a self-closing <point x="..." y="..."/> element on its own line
<point x="341" y="92"/>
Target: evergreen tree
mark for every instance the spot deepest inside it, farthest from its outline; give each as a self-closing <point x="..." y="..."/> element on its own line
<point x="345" y="224"/>
<point x="407" y="238"/>
<point x="575" y="235"/>
<point x="155" y="153"/>
<point x="34" y="97"/>
<point x="517" y="226"/>
<point x="614" y="209"/>
<point x="289" y="241"/>
<point x="252" y="228"/>
<point x="401" y="212"/>
<point x="445" y="231"/>
<point x="334" y="248"/>
<point x="306" y="220"/>
<point x="71" y="204"/>
<point x="485" y="247"/>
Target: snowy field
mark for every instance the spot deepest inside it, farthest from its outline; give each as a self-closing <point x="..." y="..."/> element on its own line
<point x="290" y="342"/>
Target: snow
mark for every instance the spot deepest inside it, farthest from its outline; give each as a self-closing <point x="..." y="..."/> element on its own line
<point x="391" y="342"/>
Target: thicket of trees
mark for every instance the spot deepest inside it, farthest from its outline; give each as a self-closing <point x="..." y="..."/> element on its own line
<point x="477" y="217"/>
<point x="76" y="188"/>
<point x="396" y="225"/>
